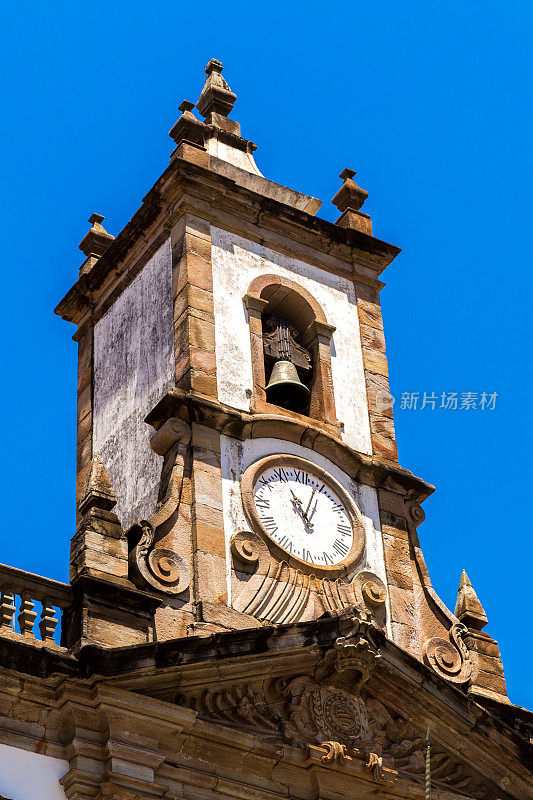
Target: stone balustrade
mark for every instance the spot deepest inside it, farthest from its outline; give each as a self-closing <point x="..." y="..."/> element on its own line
<point x="53" y="597"/>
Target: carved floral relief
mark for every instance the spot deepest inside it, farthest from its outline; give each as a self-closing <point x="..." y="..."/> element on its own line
<point x="332" y="709"/>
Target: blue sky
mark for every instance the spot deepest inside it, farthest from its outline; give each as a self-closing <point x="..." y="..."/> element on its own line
<point x="429" y="102"/>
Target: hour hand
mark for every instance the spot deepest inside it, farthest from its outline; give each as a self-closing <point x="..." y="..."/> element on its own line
<point x="297" y="504"/>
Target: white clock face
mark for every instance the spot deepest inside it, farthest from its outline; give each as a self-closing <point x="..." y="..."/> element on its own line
<point x="303" y="515"/>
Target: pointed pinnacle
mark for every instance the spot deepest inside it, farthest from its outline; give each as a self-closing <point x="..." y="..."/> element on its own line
<point x="468" y="608"/>
<point x="216" y="96"/>
<point x="98" y="490"/>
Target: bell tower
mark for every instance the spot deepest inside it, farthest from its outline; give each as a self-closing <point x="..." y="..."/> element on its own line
<point x="237" y="465"/>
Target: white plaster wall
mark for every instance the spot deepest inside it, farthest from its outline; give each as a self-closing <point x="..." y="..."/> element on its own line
<point x="133" y="368"/>
<point x="236" y="456"/>
<point x="28" y="776"/>
<point x="236" y="262"/>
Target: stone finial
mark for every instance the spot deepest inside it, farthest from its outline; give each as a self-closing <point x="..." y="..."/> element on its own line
<point x="216" y="96"/>
<point x="188" y="129"/>
<point x="468" y="608"/>
<point x="350" y="196"/>
<point x="186" y="106"/>
<point x="98" y="490"/>
<point x="97" y="239"/>
<point x="349" y="200"/>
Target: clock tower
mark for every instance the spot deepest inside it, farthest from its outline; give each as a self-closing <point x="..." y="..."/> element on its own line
<point x="249" y="613"/>
<point x="236" y="452"/>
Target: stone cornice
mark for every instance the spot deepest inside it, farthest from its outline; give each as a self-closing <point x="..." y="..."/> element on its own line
<point x="161" y="206"/>
<point x="293" y="428"/>
<point x="144" y="679"/>
<point x="253" y="654"/>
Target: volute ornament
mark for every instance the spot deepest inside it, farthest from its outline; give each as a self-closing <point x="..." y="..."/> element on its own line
<point x="375" y="765"/>
<point x="334" y="752"/>
<point x="374" y="592"/>
<point x="449" y="659"/>
<point x="371" y="596"/>
<point x="247" y="549"/>
<point x="417" y="513"/>
<point x="153" y="558"/>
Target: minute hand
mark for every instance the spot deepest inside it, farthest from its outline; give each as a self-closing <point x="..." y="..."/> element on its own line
<point x="310" y="499"/>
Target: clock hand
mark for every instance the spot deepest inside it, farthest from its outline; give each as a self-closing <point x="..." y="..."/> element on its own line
<point x="310" y="499"/>
<point x="297" y="503"/>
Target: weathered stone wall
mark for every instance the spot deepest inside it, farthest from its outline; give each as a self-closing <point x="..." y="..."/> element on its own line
<point x="133" y="367"/>
<point x="236" y="262"/>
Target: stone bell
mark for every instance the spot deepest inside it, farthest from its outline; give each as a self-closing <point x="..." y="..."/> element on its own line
<point x="285" y="388"/>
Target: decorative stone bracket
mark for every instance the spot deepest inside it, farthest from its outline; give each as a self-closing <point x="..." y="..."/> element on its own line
<point x="352" y="659"/>
<point x="450" y="659"/>
<point x="272" y="590"/>
<point x="153" y="558"/>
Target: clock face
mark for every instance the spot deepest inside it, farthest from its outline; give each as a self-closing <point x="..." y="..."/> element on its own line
<point x="303" y="514"/>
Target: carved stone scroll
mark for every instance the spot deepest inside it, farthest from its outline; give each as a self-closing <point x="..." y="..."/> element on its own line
<point x="248" y="550"/>
<point x="375" y="765"/>
<point x="154" y="559"/>
<point x="353" y="658"/>
<point x="334" y="752"/>
<point x="450" y="659"/>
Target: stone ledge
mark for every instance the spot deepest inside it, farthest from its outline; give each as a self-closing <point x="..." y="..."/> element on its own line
<point x="243" y="425"/>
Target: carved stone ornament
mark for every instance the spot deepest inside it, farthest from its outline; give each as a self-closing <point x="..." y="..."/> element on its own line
<point x="247" y="549"/>
<point x="153" y="559"/>
<point x="450" y="659"/>
<point x="375" y="765"/>
<point x="278" y="592"/>
<point x="334" y="752"/>
<point x="315" y="711"/>
<point x="352" y="659"/>
<point x="417" y="514"/>
<point x="374" y="591"/>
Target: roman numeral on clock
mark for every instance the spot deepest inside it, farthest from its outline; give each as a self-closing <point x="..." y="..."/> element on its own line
<point x="340" y="547"/>
<point x="281" y="475"/>
<point x="270" y="524"/>
<point x="344" y="530"/>
<point x="286" y="543"/>
<point x="262" y="502"/>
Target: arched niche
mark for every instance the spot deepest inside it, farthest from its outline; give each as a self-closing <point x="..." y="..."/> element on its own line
<point x="270" y="295"/>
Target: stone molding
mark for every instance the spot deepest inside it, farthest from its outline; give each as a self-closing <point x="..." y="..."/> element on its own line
<point x="155" y="719"/>
<point x="243" y="425"/>
<point x="161" y="209"/>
